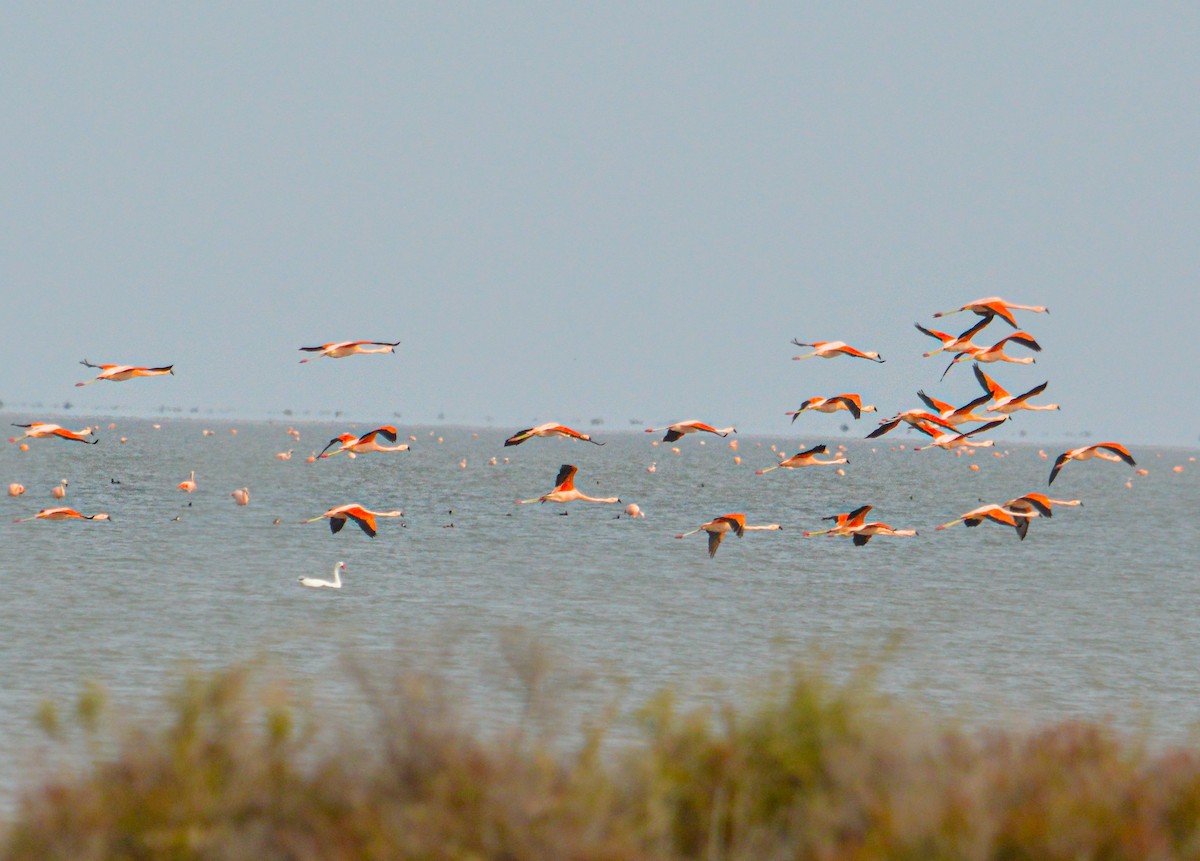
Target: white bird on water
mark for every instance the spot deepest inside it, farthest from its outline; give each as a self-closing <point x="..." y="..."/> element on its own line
<point x="335" y="583"/>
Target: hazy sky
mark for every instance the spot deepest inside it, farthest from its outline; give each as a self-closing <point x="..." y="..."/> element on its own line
<point x="568" y="211"/>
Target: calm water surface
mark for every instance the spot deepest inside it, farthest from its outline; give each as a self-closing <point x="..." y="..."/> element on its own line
<point x="1094" y="615"/>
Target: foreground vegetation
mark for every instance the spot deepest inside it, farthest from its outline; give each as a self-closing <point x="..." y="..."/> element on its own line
<point x="810" y="769"/>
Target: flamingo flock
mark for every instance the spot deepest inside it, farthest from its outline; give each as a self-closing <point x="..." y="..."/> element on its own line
<point x="943" y="424"/>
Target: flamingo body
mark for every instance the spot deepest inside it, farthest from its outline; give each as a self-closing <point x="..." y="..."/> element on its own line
<point x="1113" y="451"/>
<point x="341" y="349"/>
<point x="546" y="430"/>
<point x="852" y="403"/>
<point x="39" y="430"/>
<point x="364" y="518"/>
<point x="117" y="373"/>
<point x="565" y="490"/>
<point x="678" y="429"/>
<point x="369" y="441"/>
<point x="994" y="306"/>
<point x="833" y="349"/>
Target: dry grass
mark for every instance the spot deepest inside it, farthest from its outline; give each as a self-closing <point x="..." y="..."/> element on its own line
<point x="809" y="769"/>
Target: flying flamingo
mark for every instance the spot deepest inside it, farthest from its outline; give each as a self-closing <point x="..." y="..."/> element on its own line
<point x="1018" y="520"/>
<point x="953" y="343"/>
<point x="805" y="458"/>
<point x="37" y="430"/>
<point x="341" y="349"/>
<point x="830" y="349"/>
<point x="961" y="440"/>
<point x="1006" y="403"/>
<point x="564" y="489"/>
<point x="912" y="417"/>
<point x="955" y="416"/>
<point x="994" y="306"/>
<point x="116" y="373"/>
<point x="63" y="514"/>
<point x="844" y="524"/>
<point x="242" y="496"/>
<point x="995" y="353"/>
<point x="548" y="429"/>
<point x="718" y="527"/>
<point x="852" y="403"/>
<point x="1034" y="505"/>
<point x="1113" y="451"/>
<point x="675" y="431"/>
<point x="188" y="484"/>
<point x="335" y="583"/>
<point x="864" y="533"/>
<point x="353" y="511"/>
<point x="367" y="442"/>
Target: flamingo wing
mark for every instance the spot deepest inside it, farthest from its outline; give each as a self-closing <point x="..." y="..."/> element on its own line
<point x="566" y="477"/>
<point x="996" y="308"/>
<point x="935" y="405"/>
<point x="1024" y="339"/>
<point x="852" y="404"/>
<point x="737" y="522"/>
<point x="989" y="385"/>
<point x="1059" y="463"/>
<point x="364" y="519"/>
<point x="1119" y="450"/>
<point x="884" y="427"/>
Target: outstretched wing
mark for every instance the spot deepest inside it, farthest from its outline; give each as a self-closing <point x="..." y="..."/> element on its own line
<point x="1119" y="450"/>
<point x="1059" y="462"/>
<point x="566" y="477"/>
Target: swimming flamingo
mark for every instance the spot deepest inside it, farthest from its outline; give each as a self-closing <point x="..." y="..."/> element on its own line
<point x="284" y="455"/>
<point x="718" y="527"/>
<point x="805" y="458"/>
<point x="63" y="514"/>
<point x="953" y="415"/>
<point x="830" y="349"/>
<point x="242" y="496"/>
<point x="994" y="306"/>
<point x="1113" y="451"/>
<point x="844" y="524"/>
<point x="953" y="343"/>
<point x="37" y="430"/>
<point x="117" y="373"/>
<point x="1001" y="514"/>
<point x="995" y="353"/>
<point x="1006" y="403"/>
<point x="564" y="489"/>
<point x="961" y="440"/>
<point x="341" y="349"/>
<point x="16" y="489"/>
<point x="675" y="431"/>
<point x="188" y="484"/>
<point x="634" y="511"/>
<point x="548" y="429"/>
<point x="852" y="403"/>
<point x="367" y="442"/>
<point x="353" y="511"/>
<point x="60" y="490"/>
<point x="335" y="583"/>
